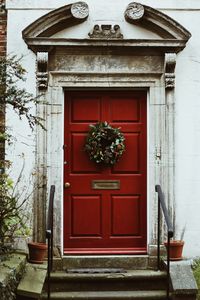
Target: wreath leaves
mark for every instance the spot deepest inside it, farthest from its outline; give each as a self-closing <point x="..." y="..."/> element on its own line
<point x="104" y="143"/>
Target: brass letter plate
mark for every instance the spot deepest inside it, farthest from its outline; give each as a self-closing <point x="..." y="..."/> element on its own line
<point x="105" y="184"/>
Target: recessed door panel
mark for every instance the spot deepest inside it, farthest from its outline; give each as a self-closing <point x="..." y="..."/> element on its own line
<point x="125" y="110"/>
<point x="127" y="222"/>
<point x="130" y="161"/>
<point x="80" y="161"/>
<point x="86" y="224"/>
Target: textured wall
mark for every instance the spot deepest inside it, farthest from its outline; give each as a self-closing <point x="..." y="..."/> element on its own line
<point x="187" y="93"/>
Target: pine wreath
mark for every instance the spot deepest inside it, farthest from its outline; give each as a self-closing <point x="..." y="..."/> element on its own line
<point x="104" y="143"/>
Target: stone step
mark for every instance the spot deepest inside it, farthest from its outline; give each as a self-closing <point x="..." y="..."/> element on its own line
<point x="102" y="261"/>
<point x="108" y="295"/>
<point x="32" y="282"/>
<point x="129" y="280"/>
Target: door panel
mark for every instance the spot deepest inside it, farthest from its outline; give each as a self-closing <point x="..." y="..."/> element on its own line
<point x="105" y="220"/>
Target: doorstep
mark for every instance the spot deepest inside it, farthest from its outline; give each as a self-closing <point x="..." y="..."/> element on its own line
<point x="31" y="284"/>
<point x="137" y="262"/>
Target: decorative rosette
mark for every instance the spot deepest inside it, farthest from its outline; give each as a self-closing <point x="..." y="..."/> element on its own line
<point x="104" y="143"/>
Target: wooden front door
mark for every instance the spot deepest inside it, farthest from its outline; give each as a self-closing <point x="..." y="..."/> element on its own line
<point x="105" y="220"/>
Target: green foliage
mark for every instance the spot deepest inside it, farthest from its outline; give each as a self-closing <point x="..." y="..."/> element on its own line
<point x="11" y="74"/>
<point x="13" y="215"/>
<point x="196" y="272"/>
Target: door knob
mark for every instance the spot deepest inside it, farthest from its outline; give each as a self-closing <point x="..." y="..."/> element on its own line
<point x="67" y="185"/>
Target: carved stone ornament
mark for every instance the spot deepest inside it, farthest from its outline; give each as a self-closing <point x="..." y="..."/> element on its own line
<point x="42" y="70"/>
<point x="134" y="12"/>
<point x="80" y="10"/>
<point x="170" y="64"/>
<point x="106" y="32"/>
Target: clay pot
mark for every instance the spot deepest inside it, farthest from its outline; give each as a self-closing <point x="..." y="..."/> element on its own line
<point x="175" y="250"/>
<point x="37" y="252"/>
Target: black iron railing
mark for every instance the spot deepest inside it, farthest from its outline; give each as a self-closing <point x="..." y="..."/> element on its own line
<point x="170" y="232"/>
<point x="49" y="237"/>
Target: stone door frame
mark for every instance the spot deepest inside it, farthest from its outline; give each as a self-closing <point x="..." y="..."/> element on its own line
<point x="154" y="71"/>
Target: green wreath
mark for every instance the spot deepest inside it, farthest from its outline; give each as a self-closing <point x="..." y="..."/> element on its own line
<point x="104" y="144"/>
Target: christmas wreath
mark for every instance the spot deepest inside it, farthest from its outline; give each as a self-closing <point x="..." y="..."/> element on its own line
<point x="104" y="144"/>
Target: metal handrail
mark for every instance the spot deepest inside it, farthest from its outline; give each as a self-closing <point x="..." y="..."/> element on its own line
<point x="170" y="232"/>
<point x="49" y="237"/>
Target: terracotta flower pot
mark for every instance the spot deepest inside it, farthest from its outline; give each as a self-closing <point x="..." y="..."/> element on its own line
<point x="175" y="250"/>
<point x="37" y="252"/>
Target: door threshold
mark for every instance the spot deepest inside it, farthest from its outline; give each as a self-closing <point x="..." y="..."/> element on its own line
<point x="107" y="251"/>
<point x="126" y="261"/>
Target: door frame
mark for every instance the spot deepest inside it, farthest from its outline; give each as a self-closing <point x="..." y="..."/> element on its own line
<point x="160" y="127"/>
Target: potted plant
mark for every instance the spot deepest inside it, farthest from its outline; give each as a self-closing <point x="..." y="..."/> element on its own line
<point x="176" y="247"/>
<point x="37" y="252"/>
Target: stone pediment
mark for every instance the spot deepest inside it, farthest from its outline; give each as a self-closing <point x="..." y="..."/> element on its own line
<point x="57" y="20"/>
<point x="155" y="21"/>
<point x="52" y="29"/>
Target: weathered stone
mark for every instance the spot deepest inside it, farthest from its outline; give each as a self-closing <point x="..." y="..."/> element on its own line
<point x="134" y="12"/>
<point x="80" y="10"/>
<point x="11" y="271"/>
<point x="42" y="70"/>
<point x="120" y="261"/>
<point x="106" y="32"/>
<point x="183" y="284"/>
<point x="170" y="64"/>
<point x="32" y="282"/>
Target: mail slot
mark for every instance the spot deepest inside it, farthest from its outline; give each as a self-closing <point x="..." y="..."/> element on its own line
<point x="105" y="184"/>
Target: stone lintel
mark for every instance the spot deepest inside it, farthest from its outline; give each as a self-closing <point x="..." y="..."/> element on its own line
<point x="47" y="44"/>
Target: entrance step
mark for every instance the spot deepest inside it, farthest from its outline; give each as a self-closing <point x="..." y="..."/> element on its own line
<point x="128" y="280"/>
<point x="137" y="262"/>
<point x="129" y="284"/>
<point x="31" y="284"/>
<point x="108" y="295"/>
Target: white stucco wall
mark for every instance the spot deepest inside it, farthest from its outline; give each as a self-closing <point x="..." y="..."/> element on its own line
<point x="187" y="93"/>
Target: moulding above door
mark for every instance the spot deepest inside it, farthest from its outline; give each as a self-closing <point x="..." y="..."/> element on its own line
<point x="172" y="37"/>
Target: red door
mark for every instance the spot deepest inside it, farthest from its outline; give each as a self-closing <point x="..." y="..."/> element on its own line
<point x="105" y="220"/>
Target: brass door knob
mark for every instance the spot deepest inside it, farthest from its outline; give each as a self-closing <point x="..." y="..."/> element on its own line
<point x="67" y="185"/>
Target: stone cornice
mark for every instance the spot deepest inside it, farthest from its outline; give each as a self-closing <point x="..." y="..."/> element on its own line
<point x="173" y="36"/>
<point x="46" y="44"/>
